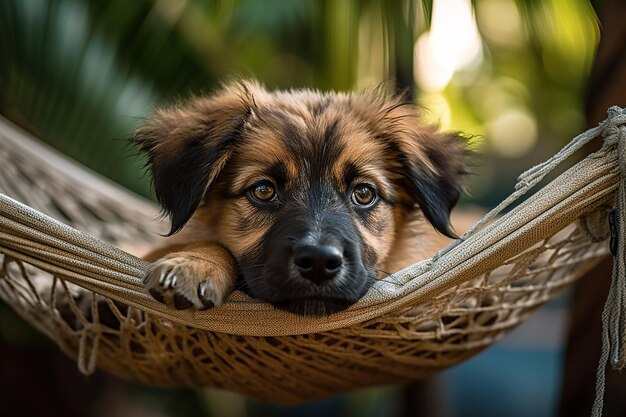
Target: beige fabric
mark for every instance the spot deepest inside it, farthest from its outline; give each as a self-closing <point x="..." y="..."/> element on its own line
<point x="427" y="317"/>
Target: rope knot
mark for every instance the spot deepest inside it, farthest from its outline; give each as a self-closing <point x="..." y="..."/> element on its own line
<point x="613" y="319"/>
<point x="615" y="124"/>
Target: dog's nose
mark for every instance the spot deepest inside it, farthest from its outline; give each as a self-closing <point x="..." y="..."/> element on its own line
<point x="318" y="263"/>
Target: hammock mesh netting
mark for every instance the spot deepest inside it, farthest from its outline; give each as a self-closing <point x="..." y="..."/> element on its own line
<point x="86" y="295"/>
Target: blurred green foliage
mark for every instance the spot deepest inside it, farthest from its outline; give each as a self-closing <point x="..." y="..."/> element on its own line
<point x="82" y="74"/>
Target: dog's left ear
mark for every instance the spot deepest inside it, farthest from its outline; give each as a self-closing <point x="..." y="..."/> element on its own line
<point x="433" y="164"/>
<point x="188" y="146"/>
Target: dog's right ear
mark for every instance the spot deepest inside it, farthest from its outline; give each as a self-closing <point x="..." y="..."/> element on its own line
<point x="188" y="146"/>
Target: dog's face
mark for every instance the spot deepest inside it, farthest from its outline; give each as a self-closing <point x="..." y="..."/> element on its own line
<point x="308" y="191"/>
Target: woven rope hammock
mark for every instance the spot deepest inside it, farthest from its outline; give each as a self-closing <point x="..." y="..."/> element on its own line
<point x="87" y="295"/>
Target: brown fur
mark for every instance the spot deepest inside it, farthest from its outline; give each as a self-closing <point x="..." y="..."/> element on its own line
<point x="245" y="131"/>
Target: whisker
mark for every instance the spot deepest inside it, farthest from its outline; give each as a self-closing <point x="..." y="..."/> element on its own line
<point x="387" y="274"/>
<point x="378" y="291"/>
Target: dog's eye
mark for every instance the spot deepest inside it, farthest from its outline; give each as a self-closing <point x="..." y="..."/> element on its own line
<point x="363" y="195"/>
<point x="263" y="191"/>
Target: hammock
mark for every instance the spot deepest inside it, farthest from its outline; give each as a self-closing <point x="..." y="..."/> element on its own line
<point x="86" y="295"/>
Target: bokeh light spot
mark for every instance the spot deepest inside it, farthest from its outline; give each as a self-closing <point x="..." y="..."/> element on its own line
<point x="513" y="133"/>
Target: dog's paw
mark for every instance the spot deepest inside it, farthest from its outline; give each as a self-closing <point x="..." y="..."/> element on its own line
<point x="184" y="281"/>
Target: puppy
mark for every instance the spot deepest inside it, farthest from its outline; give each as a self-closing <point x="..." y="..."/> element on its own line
<point x="299" y="198"/>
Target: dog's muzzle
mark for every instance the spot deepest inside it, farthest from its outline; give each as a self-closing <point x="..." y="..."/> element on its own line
<point x="312" y="264"/>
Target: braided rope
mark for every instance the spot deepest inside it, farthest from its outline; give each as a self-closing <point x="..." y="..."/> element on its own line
<point x="613" y="322"/>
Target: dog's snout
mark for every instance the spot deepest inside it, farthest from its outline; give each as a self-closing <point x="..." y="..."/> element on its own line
<point x="318" y="263"/>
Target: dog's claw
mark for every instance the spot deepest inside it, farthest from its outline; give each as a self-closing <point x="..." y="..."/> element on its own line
<point x="170" y="281"/>
<point x="167" y="283"/>
<point x="202" y="290"/>
<point x="202" y="295"/>
<point x="162" y="276"/>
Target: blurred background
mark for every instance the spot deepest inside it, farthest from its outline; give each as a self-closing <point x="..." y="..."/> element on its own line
<point x="81" y="75"/>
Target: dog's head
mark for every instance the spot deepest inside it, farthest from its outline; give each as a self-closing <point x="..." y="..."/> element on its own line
<point x="308" y="190"/>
